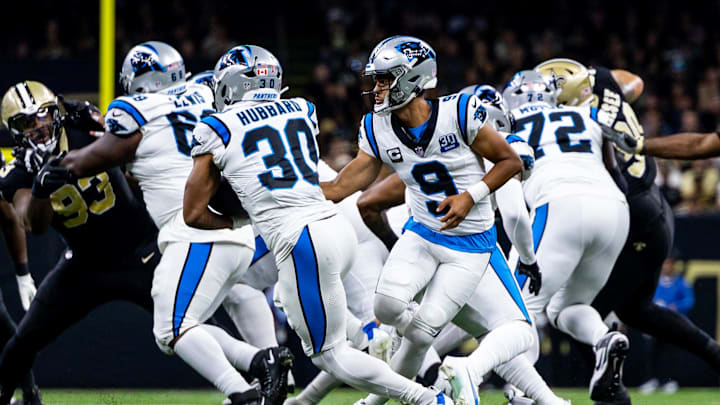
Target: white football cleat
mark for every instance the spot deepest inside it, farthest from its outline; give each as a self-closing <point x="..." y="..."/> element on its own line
<point x="290" y="382"/>
<point x="606" y="382"/>
<point x="294" y="401"/>
<point x="464" y="390"/>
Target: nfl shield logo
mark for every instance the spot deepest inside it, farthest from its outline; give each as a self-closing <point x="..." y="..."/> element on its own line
<point x="246" y="85"/>
<point x="419" y="151"/>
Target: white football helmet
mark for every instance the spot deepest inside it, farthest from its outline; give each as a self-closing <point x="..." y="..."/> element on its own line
<point x="246" y="73"/>
<point x="492" y="100"/>
<point x="153" y="67"/>
<point x="529" y="86"/>
<point x="412" y="65"/>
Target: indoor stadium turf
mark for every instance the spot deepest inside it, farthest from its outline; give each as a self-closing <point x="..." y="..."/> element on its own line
<point x="343" y="396"/>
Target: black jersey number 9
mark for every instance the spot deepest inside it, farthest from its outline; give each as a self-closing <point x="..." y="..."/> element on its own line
<point x="433" y="178"/>
<point x="279" y="156"/>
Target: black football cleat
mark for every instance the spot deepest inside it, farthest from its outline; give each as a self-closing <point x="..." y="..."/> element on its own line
<point x="32" y="398"/>
<point x="271" y="367"/>
<point x="252" y="396"/>
<point x="606" y="385"/>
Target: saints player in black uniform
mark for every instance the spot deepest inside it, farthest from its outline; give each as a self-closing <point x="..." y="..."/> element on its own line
<point x="111" y="238"/>
<point x="14" y="234"/>
<point x="634" y="279"/>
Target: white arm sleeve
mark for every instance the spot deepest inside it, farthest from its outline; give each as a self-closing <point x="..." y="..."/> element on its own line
<point x="516" y="219"/>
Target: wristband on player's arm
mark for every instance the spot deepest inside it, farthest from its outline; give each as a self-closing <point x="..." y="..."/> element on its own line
<point x="478" y="191"/>
<point x="21" y="269"/>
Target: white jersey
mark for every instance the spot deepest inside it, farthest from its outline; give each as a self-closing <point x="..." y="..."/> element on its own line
<point x="568" y="153"/>
<point x="162" y="160"/>
<point x="268" y="153"/>
<point x="437" y="165"/>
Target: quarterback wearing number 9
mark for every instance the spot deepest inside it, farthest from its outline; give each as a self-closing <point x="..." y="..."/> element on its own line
<point x="435" y="146"/>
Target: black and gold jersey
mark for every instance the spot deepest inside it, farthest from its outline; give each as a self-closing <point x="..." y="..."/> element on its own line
<point x="644" y="197"/>
<point x="98" y="216"/>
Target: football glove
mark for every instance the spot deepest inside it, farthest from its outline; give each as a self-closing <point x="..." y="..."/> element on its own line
<point x="83" y="116"/>
<point x="26" y="289"/>
<point x="50" y="178"/>
<point x="30" y="159"/>
<point x="532" y="271"/>
<point x="625" y="142"/>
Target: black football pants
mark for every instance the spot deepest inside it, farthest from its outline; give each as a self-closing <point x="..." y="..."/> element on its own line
<point x="67" y="294"/>
<point x="631" y="287"/>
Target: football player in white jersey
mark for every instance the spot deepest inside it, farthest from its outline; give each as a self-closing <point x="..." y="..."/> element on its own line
<point x="150" y="130"/>
<point x="510" y="201"/>
<point x="266" y="149"/>
<point x="581" y="218"/>
<point x="435" y="147"/>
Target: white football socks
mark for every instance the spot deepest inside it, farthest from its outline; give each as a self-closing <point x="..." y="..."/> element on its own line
<point x="521" y="373"/>
<point x="366" y="373"/>
<point x="202" y="352"/>
<point x="238" y="353"/>
<point x="251" y="314"/>
<point x="499" y="346"/>
<point x="583" y="323"/>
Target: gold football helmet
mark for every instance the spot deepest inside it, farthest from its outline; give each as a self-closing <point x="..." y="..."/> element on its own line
<point x="32" y="114"/>
<point x="571" y="77"/>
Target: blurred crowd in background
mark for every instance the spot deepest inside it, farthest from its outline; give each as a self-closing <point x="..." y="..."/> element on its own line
<point x="324" y="46"/>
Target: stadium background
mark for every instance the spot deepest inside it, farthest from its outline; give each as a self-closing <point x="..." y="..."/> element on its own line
<point x="323" y="47"/>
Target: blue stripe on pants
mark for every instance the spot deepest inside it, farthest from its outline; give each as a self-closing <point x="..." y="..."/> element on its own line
<point x="538" y="229"/>
<point x="195" y="264"/>
<point x="261" y="249"/>
<point x="498" y="263"/>
<point x="308" y="286"/>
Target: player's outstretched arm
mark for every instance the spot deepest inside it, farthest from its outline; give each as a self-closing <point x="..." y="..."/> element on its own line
<point x="357" y="175"/>
<point x="631" y="84"/>
<point x="686" y="145"/>
<point x="108" y="151"/>
<point x="372" y="203"/>
<point x="489" y="144"/>
<point x="201" y="185"/>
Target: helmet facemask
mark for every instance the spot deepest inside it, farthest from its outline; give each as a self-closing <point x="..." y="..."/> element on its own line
<point x="529" y="87"/>
<point x="40" y="130"/>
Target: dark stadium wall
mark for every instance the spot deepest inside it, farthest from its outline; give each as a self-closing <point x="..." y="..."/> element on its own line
<point x="114" y="346"/>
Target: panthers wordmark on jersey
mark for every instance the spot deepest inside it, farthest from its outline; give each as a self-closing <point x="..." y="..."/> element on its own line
<point x="268" y="153"/>
<point x="162" y="160"/>
<point x="568" y="153"/>
<point x="439" y="164"/>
